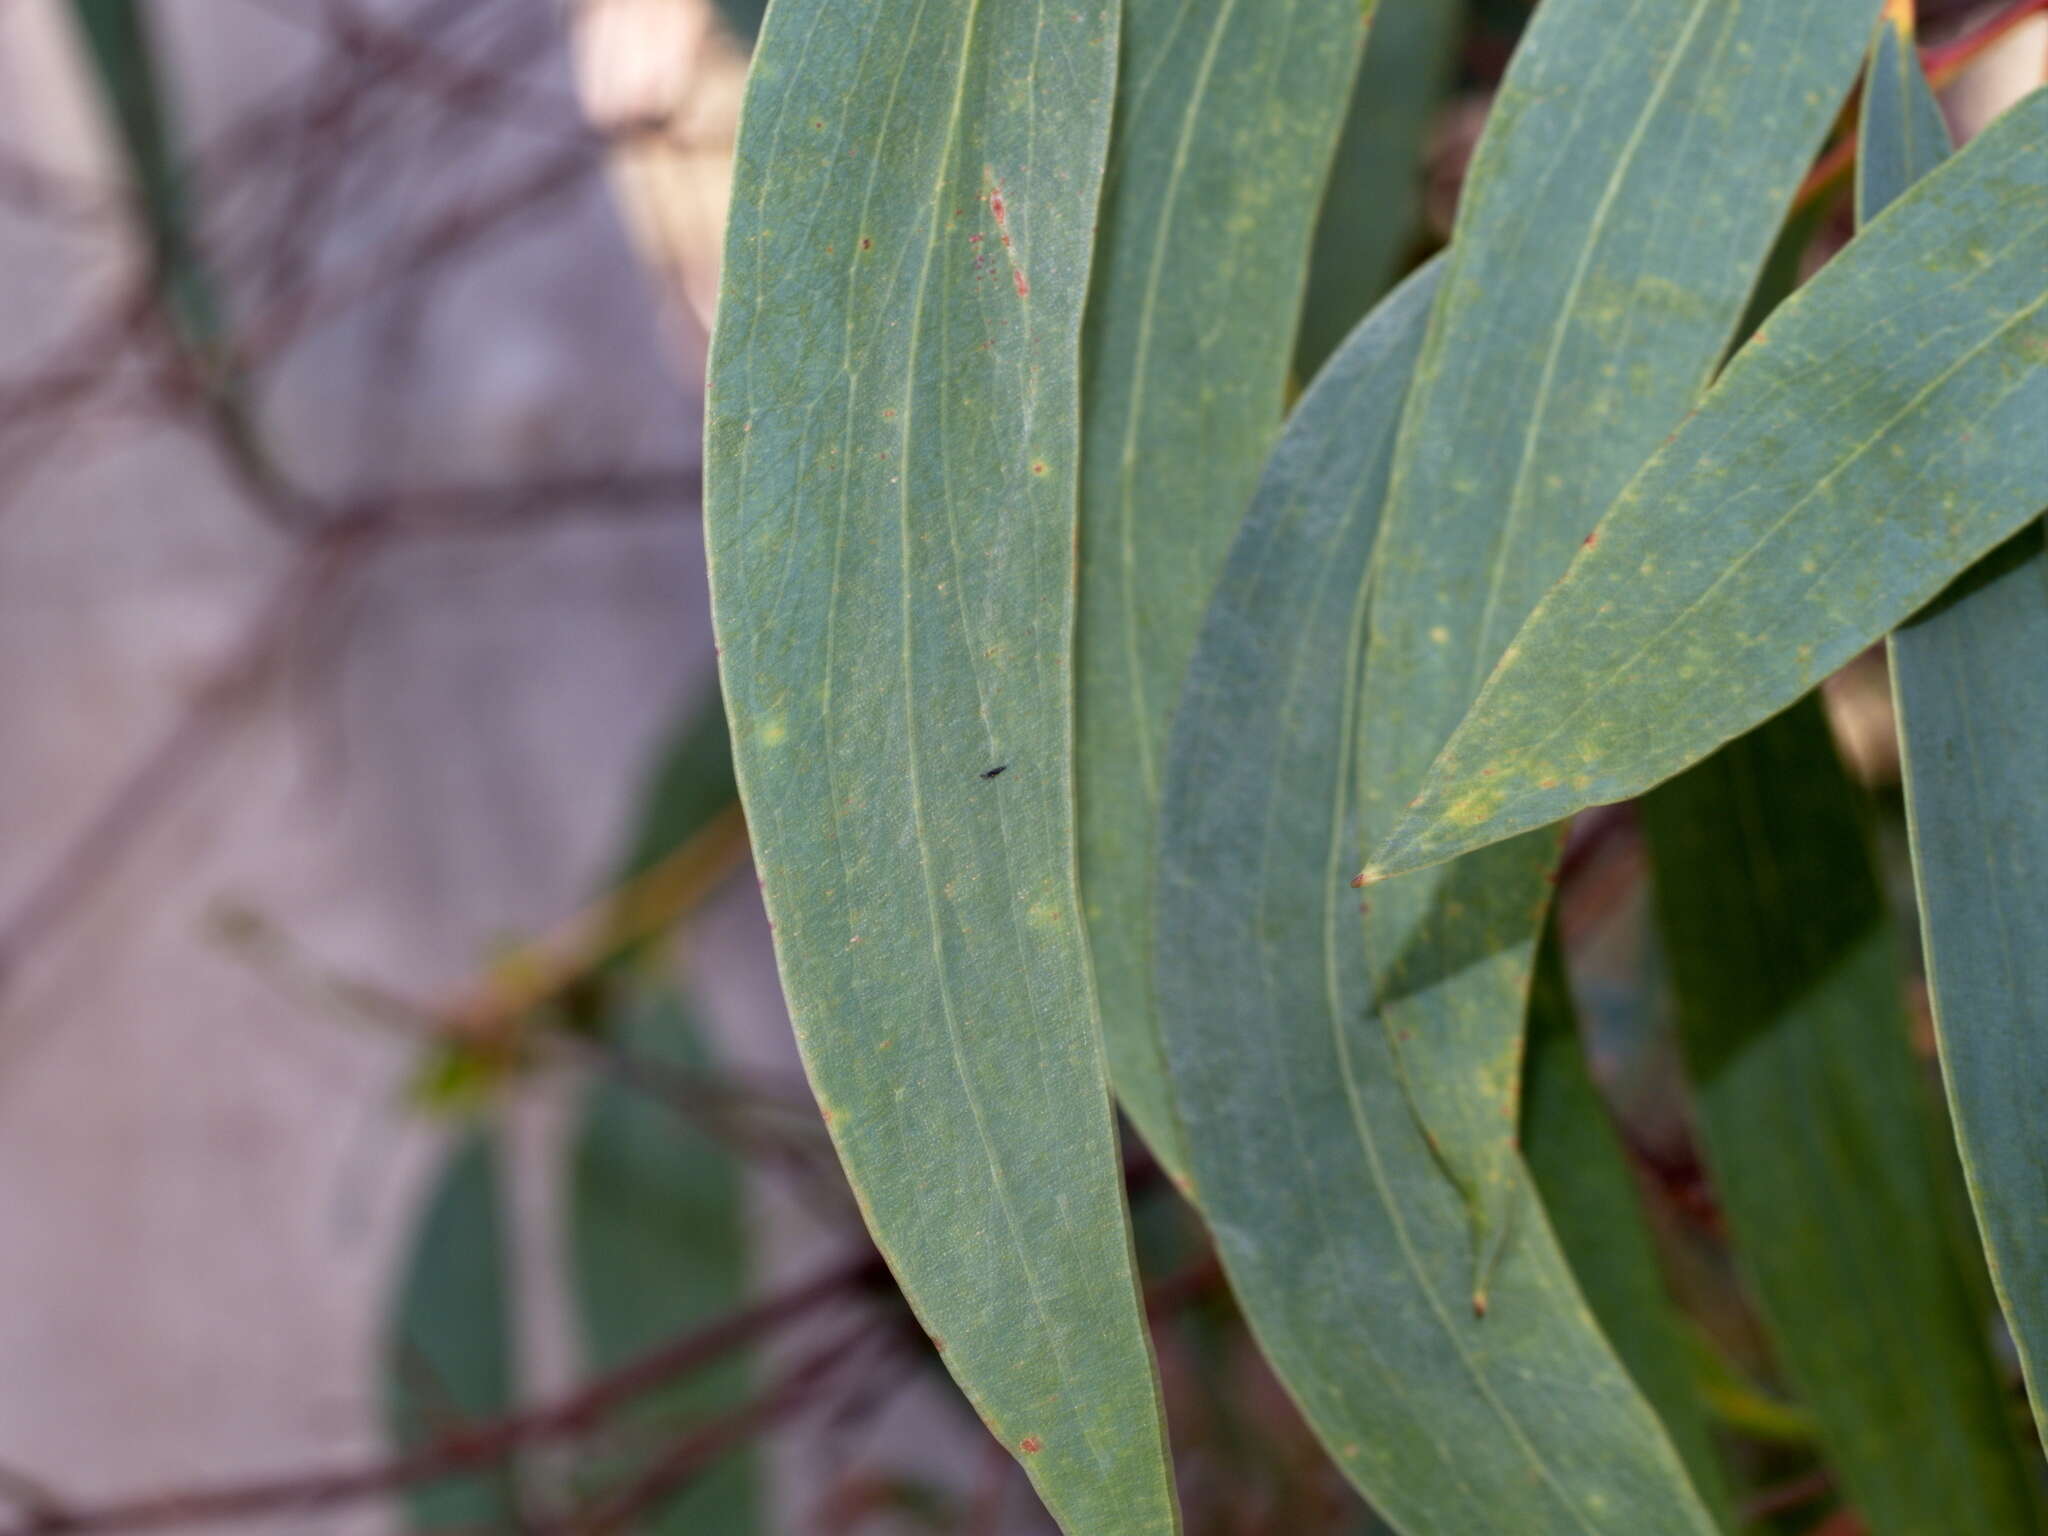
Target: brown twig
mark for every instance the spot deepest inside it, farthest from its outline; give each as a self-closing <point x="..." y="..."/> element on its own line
<point x="485" y="1443"/>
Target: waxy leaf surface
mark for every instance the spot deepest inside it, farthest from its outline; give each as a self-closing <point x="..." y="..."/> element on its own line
<point x="891" y="466"/>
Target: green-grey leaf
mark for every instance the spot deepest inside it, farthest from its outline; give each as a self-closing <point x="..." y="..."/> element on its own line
<point x="1973" y="733"/>
<point x="1227" y="114"/>
<point x="1372" y="207"/>
<point x="1877" y="437"/>
<point x="891" y="470"/>
<point x="449" y="1337"/>
<point x="1582" y="1172"/>
<point x="1636" y="165"/>
<point x="1347" y="1247"/>
<point x="657" y="1244"/>
<point x="1817" y="1125"/>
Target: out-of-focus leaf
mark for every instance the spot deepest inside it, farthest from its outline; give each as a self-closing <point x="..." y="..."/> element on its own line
<point x="1227" y="115"/>
<point x="1637" y="163"/>
<point x="742" y="18"/>
<point x="449" y="1337"/>
<point x="1372" y="208"/>
<point x="1816" y="1124"/>
<point x="657" y="1244"/>
<point x="892" y="445"/>
<point x="1973" y="735"/>
<point x="1347" y="1247"/>
<point x="1581" y="1171"/>
<point x="690" y="786"/>
<point x="118" y="38"/>
<point x="1879" y="435"/>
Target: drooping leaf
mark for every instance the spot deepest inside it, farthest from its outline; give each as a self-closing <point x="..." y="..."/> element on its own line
<point x="1346" y="1246"/>
<point x="1372" y="207"/>
<point x="449" y="1351"/>
<point x="1227" y="115"/>
<point x="891" y="463"/>
<point x="1816" y="1124"/>
<point x="1581" y="1171"/>
<point x="1877" y="437"/>
<point x="1637" y="163"/>
<point x="1973" y="733"/>
<point x="657" y="1245"/>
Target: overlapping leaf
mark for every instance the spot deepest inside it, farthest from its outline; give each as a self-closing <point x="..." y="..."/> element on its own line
<point x="1372" y="207"/>
<point x="1816" y="1125"/>
<point x="1973" y="733"/>
<point x="1581" y="1170"/>
<point x="1346" y="1245"/>
<point x="1880" y="435"/>
<point x="892" y="444"/>
<point x="1637" y="162"/>
<point x="1227" y="114"/>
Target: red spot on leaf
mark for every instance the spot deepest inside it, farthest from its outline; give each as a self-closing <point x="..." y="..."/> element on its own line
<point x="995" y="205"/>
<point x="1031" y="1445"/>
<point x="1023" y="283"/>
<point x="1591" y="539"/>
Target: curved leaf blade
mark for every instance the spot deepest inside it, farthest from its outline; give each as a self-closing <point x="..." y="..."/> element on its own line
<point x="1227" y="115"/>
<point x="1973" y="732"/>
<point x="1877" y="437"/>
<point x="1586" y="304"/>
<point x="892" y="440"/>
<point x="1345" y="1244"/>
<point x="1815" y="1121"/>
<point x="1371" y="218"/>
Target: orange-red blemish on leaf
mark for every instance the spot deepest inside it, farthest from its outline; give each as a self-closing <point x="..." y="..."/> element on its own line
<point x="995" y="205"/>
<point x="1031" y="1445"/>
<point x="1591" y="539"/>
<point x="1023" y="283"/>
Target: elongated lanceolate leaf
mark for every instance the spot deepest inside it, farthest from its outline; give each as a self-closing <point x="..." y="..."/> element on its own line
<point x="892" y="444"/>
<point x="1638" y="160"/>
<point x="1973" y="735"/>
<point x="1347" y="1247"/>
<point x="448" y="1359"/>
<point x="1878" y="436"/>
<point x="1372" y="208"/>
<point x="1818" y="1129"/>
<point x="657" y="1245"/>
<point x="1582" y="1172"/>
<point x="1227" y="114"/>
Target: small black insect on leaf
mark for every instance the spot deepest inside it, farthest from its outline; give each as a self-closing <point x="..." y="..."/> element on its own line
<point x="994" y="772"/>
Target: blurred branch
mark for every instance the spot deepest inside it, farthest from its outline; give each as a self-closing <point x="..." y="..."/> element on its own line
<point x="485" y="1443"/>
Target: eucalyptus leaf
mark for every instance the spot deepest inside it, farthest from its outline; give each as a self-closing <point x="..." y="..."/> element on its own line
<point x="449" y="1349"/>
<point x="891" y="481"/>
<point x="1876" y="438"/>
<point x="657" y="1244"/>
<point x="1635" y="167"/>
<point x="1818" y="1129"/>
<point x="1227" y="115"/>
<point x="1973" y="733"/>
<point x="1346" y="1246"/>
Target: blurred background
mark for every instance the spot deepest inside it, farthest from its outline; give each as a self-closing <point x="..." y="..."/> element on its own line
<point x="399" y="1125"/>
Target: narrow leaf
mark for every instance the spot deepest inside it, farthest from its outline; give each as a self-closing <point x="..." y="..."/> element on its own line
<point x="1877" y="437"/>
<point x="449" y="1337"/>
<point x="1582" y="1172"/>
<point x="657" y="1244"/>
<point x="1817" y="1127"/>
<point x="1637" y="163"/>
<point x="1347" y="1247"/>
<point x="892" y="445"/>
<point x="1227" y="114"/>
<point x="1973" y="733"/>
<point x="1372" y="209"/>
